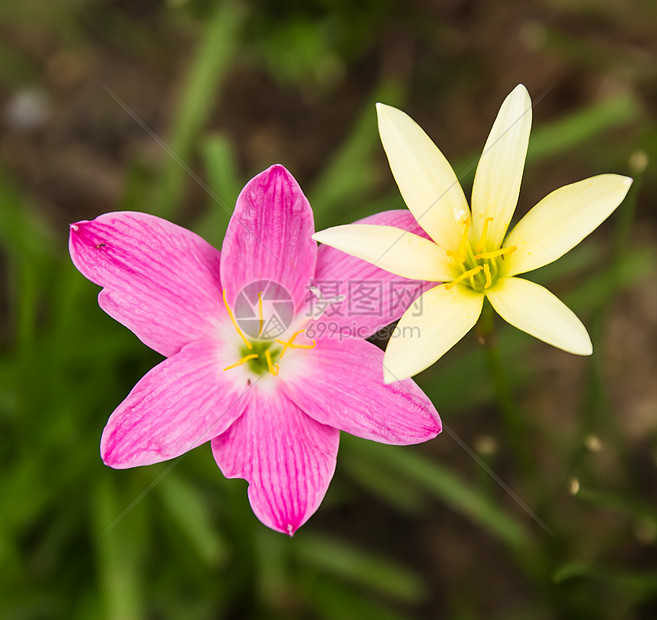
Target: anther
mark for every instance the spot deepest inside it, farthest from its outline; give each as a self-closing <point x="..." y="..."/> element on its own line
<point x="463" y="276"/>
<point x="234" y="322"/>
<point x="290" y="344"/>
<point x="260" y="318"/>
<point x="484" y="232"/>
<point x="463" y="246"/>
<point x="489" y="279"/>
<point x="510" y="250"/>
<point x="273" y="368"/>
<point x="245" y="359"/>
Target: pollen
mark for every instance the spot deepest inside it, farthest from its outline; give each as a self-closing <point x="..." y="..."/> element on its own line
<point x="463" y="246"/>
<point x="291" y="345"/>
<point x="263" y="355"/>
<point x="489" y="279"/>
<point x="245" y="359"/>
<point x="484" y="233"/>
<point x="234" y="322"/>
<point x="463" y="276"/>
<point x="273" y="368"/>
<point x="478" y="268"/>
<point x="486" y="255"/>
<point x="261" y="320"/>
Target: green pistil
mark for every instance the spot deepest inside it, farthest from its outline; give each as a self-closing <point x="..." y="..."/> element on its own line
<point x="258" y="365"/>
<point x="479" y="268"/>
<point x="485" y="270"/>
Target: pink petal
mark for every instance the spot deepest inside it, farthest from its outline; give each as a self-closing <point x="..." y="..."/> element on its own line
<point x="269" y="236"/>
<point x="287" y="458"/>
<point x="374" y="297"/>
<point x="178" y="405"/>
<point x="160" y="280"/>
<point x="342" y="386"/>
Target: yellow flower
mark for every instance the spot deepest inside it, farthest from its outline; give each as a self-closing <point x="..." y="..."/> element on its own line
<point x="469" y="252"/>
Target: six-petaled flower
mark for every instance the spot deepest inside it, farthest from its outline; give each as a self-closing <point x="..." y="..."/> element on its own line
<point x="469" y="256"/>
<point x="271" y="403"/>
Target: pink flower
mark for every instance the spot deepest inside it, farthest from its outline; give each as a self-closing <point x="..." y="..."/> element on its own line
<point x="272" y="403"/>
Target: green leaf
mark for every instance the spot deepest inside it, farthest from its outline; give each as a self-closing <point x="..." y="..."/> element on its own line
<point x="445" y="485"/>
<point x="621" y="503"/>
<point x="273" y="571"/>
<point x="572" y="130"/>
<point x="640" y="582"/>
<point x="200" y="92"/>
<point x="393" y="489"/>
<point x="351" y="173"/>
<point x="186" y="508"/>
<point x="566" y="133"/>
<point x="118" y="545"/>
<point x="359" y="566"/>
<point x="333" y="601"/>
<point x="225" y="185"/>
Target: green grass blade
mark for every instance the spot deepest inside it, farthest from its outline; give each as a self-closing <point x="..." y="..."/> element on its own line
<point x="117" y="553"/>
<point x="200" y="92"/>
<point x="443" y="484"/>
<point x="351" y="173"/>
<point x="359" y="566"/>
<point x="220" y="165"/>
<point x="186" y="508"/>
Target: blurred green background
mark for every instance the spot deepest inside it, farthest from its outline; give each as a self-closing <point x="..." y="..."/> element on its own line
<point x="539" y="501"/>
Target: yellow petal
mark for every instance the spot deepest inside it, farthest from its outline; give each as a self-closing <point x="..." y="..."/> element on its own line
<point x="562" y="219"/>
<point x="397" y="251"/>
<point x="533" y="309"/>
<point x="428" y="329"/>
<point x="425" y="178"/>
<point x="499" y="173"/>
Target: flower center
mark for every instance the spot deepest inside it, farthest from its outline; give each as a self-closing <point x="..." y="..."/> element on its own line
<point x="262" y="355"/>
<point x="477" y="267"/>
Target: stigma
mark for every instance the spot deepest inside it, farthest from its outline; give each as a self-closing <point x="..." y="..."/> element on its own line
<point x="476" y="263"/>
<point x="263" y="356"/>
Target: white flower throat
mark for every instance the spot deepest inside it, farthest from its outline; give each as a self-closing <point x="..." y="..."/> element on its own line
<point x="263" y="355"/>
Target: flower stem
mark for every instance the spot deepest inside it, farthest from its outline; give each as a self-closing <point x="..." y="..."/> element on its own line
<point x="516" y="429"/>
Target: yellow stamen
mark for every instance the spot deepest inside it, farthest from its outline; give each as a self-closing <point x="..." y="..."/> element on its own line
<point x="246" y="358"/>
<point x="489" y="279"/>
<point x="463" y="276"/>
<point x="260" y="319"/>
<point x="273" y="368"/>
<point x="496" y="253"/>
<point x="463" y="246"/>
<point x="290" y="344"/>
<point x="234" y="322"/>
<point x="484" y="232"/>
